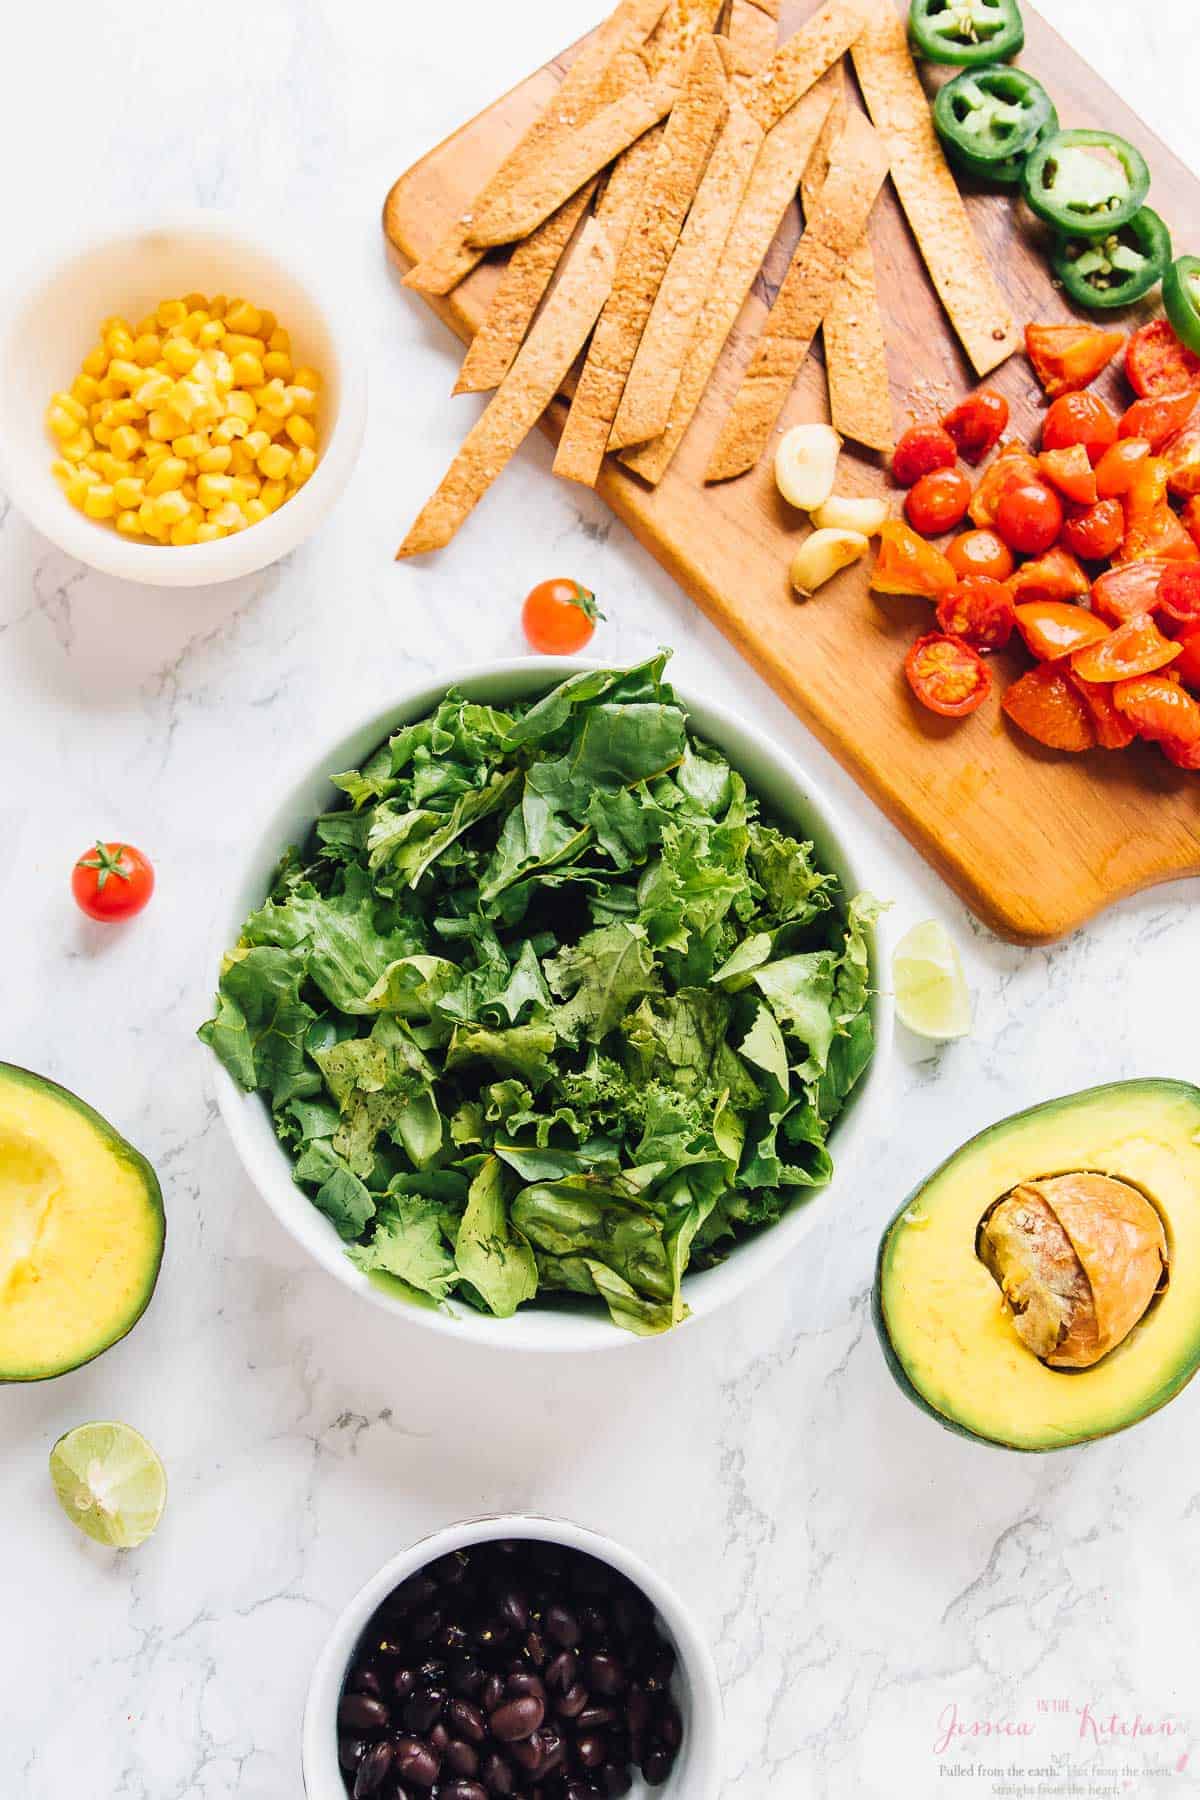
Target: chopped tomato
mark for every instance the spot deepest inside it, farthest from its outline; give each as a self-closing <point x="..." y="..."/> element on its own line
<point x="1157" y="420"/>
<point x="1136" y="647"/>
<point x="1079" y="419"/>
<point x="1118" y="468"/>
<point x="1182" y="457"/>
<point x="1071" y="472"/>
<point x="907" y="564"/>
<point x="1179" y="593"/>
<point x="939" y="501"/>
<point x="1029" y="518"/>
<point x="977" y="423"/>
<point x="921" y="450"/>
<point x="1112" y="728"/>
<point x="1068" y="357"/>
<point x="1148" y="489"/>
<point x="946" y="675"/>
<point x="1052" y="628"/>
<point x="1188" y="666"/>
<point x="1160" y="709"/>
<point x="1157" y="363"/>
<point x="1127" y="590"/>
<point x="1055" y="576"/>
<point x="1184" y="756"/>
<point x="980" y="553"/>
<point x="1014" y="467"/>
<point x="1191" y="520"/>
<point x="1046" y="704"/>
<point x="1160" y="536"/>
<point x="979" y="611"/>
<point x="1095" y="532"/>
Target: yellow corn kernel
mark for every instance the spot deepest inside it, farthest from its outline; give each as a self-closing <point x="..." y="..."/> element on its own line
<point x="96" y="362"/>
<point x="62" y="470"/>
<point x="195" y="403"/>
<point x="129" y="524"/>
<point x="190" y="445"/>
<point x="171" y="472"/>
<point x="196" y="302"/>
<point x="115" y="469"/>
<point x="274" y="399"/>
<point x="125" y="442"/>
<point x="188" y="490"/>
<point x="170" y="508"/>
<point x="255" y="512"/>
<point x="246" y="487"/>
<point x="98" y="501"/>
<point x="247" y="369"/>
<point x="185" y="532"/>
<point x="302" y="432"/>
<point x="306" y="377"/>
<point x="153" y="452"/>
<point x="72" y="406"/>
<point x="102" y="433"/>
<point x="123" y="412"/>
<point x="280" y="340"/>
<point x="268" y="324"/>
<point x="85" y="389"/>
<point x="147" y="516"/>
<point x="255" y="442"/>
<point x="213" y="490"/>
<point x="228" y="429"/>
<point x="303" y="466"/>
<point x="276" y="462"/>
<point x="229" y="514"/>
<point x="240" y="405"/>
<point x="273" y="494"/>
<point x="179" y="355"/>
<point x="241" y="316"/>
<point x="218" y="306"/>
<point x="171" y="312"/>
<point x="220" y="368"/>
<point x="208" y="533"/>
<point x="238" y="343"/>
<point x="277" y="365"/>
<point x="129" y="492"/>
<point x="303" y="399"/>
<point x="147" y="348"/>
<point x="153" y="389"/>
<point x="76" y="448"/>
<point x="119" y="342"/>
<point x="64" y="425"/>
<point x="193" y="324"/>
<point x="210" y="334"/>
<point x="214" y="461"/>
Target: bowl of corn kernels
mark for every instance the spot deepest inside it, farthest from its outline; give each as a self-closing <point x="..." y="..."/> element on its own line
<point x="181" y="404"/>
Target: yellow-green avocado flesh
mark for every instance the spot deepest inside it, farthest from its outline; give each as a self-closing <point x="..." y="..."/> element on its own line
<point x="81" y="1230"/>
<point x="945" y="1329"/>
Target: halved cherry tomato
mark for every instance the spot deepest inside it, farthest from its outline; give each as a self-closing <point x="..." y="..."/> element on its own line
<point x="946" y="675"/>
<point x="1012" y="468"/>
<point x="1118" y="468"/>
<point x="1079" y="419"/>
<point x="559" y="617"/>
<point x="1029" y="518"/>
<point x="977" y="423"/>
<point x="1158" y="535"/>
<point x="1052" y="628"/>
<point x="1068" y="357"/>
<point x="908" y="564"/>
<point x="921" y="450"/>
<point x="979" y="611"/>
<point x="1095" y="532"/>
<point x="1113" y="730"/>
<point x="1190" y="517"/>
<point x="1046" y="704"/>
<point x="1157" y="420"/>
<point x="1055" y="576"/>
<point x="1137" y="647"/>
<point x="112" y="881"/>
<point x="1157" y="363"/>
<point x="1127" y="590"/>
<point x="980" y="553"/>
<point x="939" y="501"/>
<point x="1071" y="472"/>
<point x="1182" y="457"/>
<point x="1160" y="709"/>
<point x="1188" y="665"/>
<point x="1179" y="593"/>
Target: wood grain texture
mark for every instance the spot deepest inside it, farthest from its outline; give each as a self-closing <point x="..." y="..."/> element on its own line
<point x="1036" y="843"/>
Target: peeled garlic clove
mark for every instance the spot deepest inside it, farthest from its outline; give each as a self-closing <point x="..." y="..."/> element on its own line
<point x="806" y="464"/>
<point x="852" y="512"/>
<point x="821" y="555"/>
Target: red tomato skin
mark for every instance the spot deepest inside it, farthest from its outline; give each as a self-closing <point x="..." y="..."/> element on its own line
<point x="1054" y="628"/>
<point x="980" y="552"/>
<point x="1079" y="419"/>
<point x="1182" y="457"/>
<point x="1179" y="594"/>
<point x="1068" y="357"/>
<point x="1159" y="709"/>
<point x="1157" y="420"/>
<point x="938" y="502"/>
<point x="1071" y="474"/>
<point x="977" y="423"/>
<point x="1030" y="518"/>
<point x="1119" y="467"/>
<point x="1050" y="709"/>
<point x="1055" y="576"/>
<point x="1187" y="663"/>
<point x="559" y="617"/>
<point x="979" y="611"/>
<point x="1094" y="533"/>
<point x="921" y="450"/>
<point x="118" y="891"/>
<point x="1112" y="728"/>
<point x="1157" y="363"/>
<point x="922" y="679"/>
<point x="1136" y="647"/>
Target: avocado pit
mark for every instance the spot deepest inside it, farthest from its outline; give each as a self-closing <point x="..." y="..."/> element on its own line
<point x="1078" y="1257"/>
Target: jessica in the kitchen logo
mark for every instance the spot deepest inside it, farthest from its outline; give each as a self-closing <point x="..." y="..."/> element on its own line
<point x="1087" y="1722"/>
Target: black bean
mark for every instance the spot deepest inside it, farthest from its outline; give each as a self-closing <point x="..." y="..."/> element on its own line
<point x="573" y="1701"/>
<point x="451" y="1637"/>
<point x="524" y="1681"/>
<point x="614" y="1781"/>
<point x="668" y="1727"/>
<point x="461" y="1790"/>
<point x="579" y="1790"/>
<point x="561" y="1673"/>
<point x="512" y="1608"/>
<point x="364" y="1680"/>
<point x="590" y="1749"/>
<point x="389" y="1646"/>
<point x="656" y="1766"/>
<point x="594" y="1717"/>
<point x="416" y="1762"/>
<point x="637" y="1709"/>
<point x="604" y="1674"/>
<point x="498" y="1776"/>
<point x="527" y="1754"/>
<point x="535" y="1649"/>
<point x="594" y="1623"/>
<point x="451" y="1570"/>
<point x="461" y="1758"/>
<point x="423" y="1708"/>
<point x="466" y="1677"/>
<point x="491" y="1694"/>
<point x="424" y="1626"/>
<point x="351" y="1751"/>
<point x="373" y="1769"/>
<point x="433" y="1672"/>
<point x="553" y="1748"/>
<point x="517" y="1719"/>
<point x="466" y="1721"/>
<point x="439" y="1737"/>
<point x="404" y="1683"/>
<point x="562" y="1627"/>
<point x="362" y="1712"/>
<point x="416" y="1592"/>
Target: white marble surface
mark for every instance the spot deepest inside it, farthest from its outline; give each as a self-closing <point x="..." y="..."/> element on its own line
<point x="860" y="1570"/>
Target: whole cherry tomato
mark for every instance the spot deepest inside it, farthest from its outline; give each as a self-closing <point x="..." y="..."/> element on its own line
<point x="1157" y="363"/>
<point x="1046" y="704"/>
<point x="980" y="553"/>
<point x="921" y="450"/>
<point x="1095" y="532"/>
<point x="979" y="611"/>
<point x="938" y="502"/>
<point x="112" y="881"/>
<point x="977" y="423"/>
<point x="1179" y="594"/>
<point x="946" y="675"/>
<point x="1030" y="518"/>
<point x="1079" y="419"/>
<point x="1136" y="647"/>
<point x="1157" y="420"/>
<point x="559" y="617"/>
<point x="1127" y="590"/>
<point x="1012" y="468"/>
<point x="1119" y="467"/>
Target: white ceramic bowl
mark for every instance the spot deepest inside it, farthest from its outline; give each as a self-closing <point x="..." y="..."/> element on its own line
<point x="790" y="794"/>
<point x="50" y="321"/>
<point x="697" y="1774"/>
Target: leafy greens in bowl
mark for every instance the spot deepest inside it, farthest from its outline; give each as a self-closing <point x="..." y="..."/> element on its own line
<point x="551" y="1006"/>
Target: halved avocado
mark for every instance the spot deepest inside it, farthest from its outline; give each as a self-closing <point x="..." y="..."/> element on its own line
<point x="949" y="1330"/>
<point x="81" y="1230"/>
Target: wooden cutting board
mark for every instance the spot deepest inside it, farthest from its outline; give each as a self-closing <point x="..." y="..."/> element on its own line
<point x="1035" y="842"/>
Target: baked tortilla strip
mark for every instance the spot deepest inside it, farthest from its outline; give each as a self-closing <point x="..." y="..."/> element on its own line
<point x="753" y="33"/>
<point x="822" y="41"/>
<point x="571" y="164"/>
<point x="771" y="190"/>
<point x="856" y="368"/>
<point x="679" y="164"/>
<point x="521" y="290"/>
<point x="928" y="191"/>
<point x="541" y="366"/>
<point x="857" y="170"/>
<point x="588" y="85"/>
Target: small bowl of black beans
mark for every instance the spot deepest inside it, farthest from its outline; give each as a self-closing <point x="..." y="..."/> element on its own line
<point x="514" y="1659"/>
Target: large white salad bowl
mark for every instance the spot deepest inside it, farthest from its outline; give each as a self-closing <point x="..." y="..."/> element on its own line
<point x="788" y="794"/>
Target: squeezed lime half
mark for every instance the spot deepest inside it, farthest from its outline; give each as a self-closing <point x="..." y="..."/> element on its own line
<point x="110" y="1483"/>
<point x="932" y="997"/>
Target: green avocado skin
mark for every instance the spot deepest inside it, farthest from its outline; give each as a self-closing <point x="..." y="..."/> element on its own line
<point x="1122" y="1089"/>
<point x="12" y="1074"/>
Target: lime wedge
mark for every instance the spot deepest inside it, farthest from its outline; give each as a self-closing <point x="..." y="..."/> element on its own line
<point x="932" y="997"/>
<point x="110" y="1483"/>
